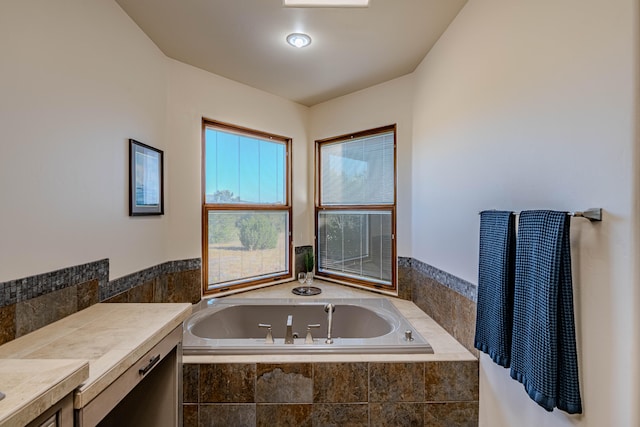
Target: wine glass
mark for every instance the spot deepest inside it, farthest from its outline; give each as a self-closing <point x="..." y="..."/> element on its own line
<point x="309" y="280"/>
<point x="302" y="276"/>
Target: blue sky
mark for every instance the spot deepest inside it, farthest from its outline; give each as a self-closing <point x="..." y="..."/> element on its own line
<point x="251" y="168"/>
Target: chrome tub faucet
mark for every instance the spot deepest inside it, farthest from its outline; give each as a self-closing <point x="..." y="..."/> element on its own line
<point x="288" y="338"/>
<point x="329" y="309"/>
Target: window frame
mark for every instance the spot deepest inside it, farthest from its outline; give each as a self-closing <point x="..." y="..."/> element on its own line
<point x="391" y="208"/>
<point x="255" y="281"/>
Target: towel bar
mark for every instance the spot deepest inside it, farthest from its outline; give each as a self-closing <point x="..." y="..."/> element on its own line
<point x="592" y="214"/>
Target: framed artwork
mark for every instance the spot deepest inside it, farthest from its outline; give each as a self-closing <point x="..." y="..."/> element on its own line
<point x="146" y="192"/>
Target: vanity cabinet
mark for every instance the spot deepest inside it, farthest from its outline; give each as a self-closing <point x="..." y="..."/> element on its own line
<point x="119" y="364"/>
<point x="59" y="415"/>
<point x="39" y="392"/>
<point x="146" y="394"/>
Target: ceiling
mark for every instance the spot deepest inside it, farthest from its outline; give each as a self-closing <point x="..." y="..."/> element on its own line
<point x="244" y="40"/>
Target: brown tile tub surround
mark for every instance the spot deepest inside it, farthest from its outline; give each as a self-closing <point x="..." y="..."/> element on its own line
<point x="174" y="287"/>
<point x="450" y="301"/>
<point x="455" y="313"/>
<point x="228" y="383"/>
<point x="277" y="415"/>
<point x="7" y="323"/>
<point x="284" y="383"/>
<point x="396" y="382"/>
<point x="363" y="389"/>
<point x="37" y="312"/>
<point x="323" y="394"/>
<point x="341" y="382"/>
<point x="174" y="281"/>
<point x="33" y="302"/>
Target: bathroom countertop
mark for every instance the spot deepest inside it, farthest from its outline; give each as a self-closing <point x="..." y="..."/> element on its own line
<point x="111" y="337"/>
<point x="33" y="386"/>
<point x="445" y="347"/>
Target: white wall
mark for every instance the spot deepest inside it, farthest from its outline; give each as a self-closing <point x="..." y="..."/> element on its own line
<point x="520" y="105"/>
<point x="377" y="106"/>
<point x="77" y="79"/>
<point x="531" y="104"/>
<point x="194" y="94"/>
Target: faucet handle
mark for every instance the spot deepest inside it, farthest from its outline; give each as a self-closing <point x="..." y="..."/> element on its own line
<point x="309" y="338"/>
<point x="269" y="337"/>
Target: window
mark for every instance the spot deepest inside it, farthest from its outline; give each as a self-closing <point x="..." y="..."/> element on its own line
<point x="246" y="212"/>
<point x="356" y="208"/>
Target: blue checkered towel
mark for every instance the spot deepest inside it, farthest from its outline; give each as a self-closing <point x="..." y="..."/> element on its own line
<point x="543" y="352"/>
<point x="494" y="316"/>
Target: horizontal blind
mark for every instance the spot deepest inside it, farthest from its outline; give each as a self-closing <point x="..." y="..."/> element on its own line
<point x="358" y="171"/>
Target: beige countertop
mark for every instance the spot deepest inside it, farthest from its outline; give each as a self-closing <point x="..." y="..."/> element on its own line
<point x="445" y="347"/>
<point x="110" y="337"/>
<point x="33" y="386"/>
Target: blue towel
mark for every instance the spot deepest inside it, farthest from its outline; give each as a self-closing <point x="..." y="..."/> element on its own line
<point x="494" y="316"/>
<point x="543" y="352"/>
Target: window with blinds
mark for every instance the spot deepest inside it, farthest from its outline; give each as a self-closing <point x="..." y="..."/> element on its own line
<point x="355" y="210"/>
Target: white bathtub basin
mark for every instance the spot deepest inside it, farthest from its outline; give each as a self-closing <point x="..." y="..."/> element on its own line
<point x="230" y="326"/>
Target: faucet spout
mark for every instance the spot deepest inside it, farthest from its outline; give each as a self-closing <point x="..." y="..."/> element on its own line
<point x="329" y="309"/>
<point x="288" y="339"/>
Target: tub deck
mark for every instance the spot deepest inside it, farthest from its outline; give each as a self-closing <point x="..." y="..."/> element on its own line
<point x="336" y="389"/>
<point x="445" y="347"/>
<point x="363" y="325"/>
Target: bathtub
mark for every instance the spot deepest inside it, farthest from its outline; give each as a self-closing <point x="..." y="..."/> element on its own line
<point x="230" y="326"/>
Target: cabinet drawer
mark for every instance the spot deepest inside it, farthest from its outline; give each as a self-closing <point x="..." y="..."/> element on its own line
<point x="52" y="421"/>
<point x="101" y="405"/>
<point x="59" y="415"/>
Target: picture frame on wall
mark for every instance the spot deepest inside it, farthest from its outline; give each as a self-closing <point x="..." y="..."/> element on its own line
<point x="146" y="188"/>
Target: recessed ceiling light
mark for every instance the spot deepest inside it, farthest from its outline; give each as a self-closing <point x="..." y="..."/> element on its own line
<point x="298" y="40"/>
<point x="326" y="3"/>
